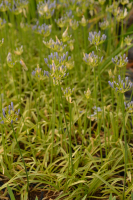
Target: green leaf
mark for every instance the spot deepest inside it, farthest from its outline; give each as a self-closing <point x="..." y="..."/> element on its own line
<point x="131" y="196"/>
<point x="130" y="29"/>
<point x="36" y="198"/>
<point x="110" y="197"/>
<point x="84" y="197"/>
<point x="10" y="193"/>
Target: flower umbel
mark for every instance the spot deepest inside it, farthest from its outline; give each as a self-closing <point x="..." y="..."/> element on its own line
<point x="87" y="94"/>
<point x="103" y="25"/>
<point x="58" y="73"/>
<point x="96" y="38"/>
<point x="10" y="61"/>
<point x="55" y="46"/>
<point x="1" y="42"/>
<point x="43" y="29"/>
<point x="121" y="86"/>
<point x="67" y="93"/>
<point x="9" y="115"/>
<point x="74" y="24"/>
<point x="39" y="73"/>
<point x="120" y="61"/>
<point x="129" y="107"/>
<point x="91" y="59"/>
<point x="46" y="8"/>
<point x="128" y="40"/>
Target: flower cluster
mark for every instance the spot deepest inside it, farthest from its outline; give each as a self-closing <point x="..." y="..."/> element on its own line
<point x="46" y="8"/>
<point x="62" y="22"/>
<point x="129" y="5"/>
<point x="4" y="6"/>
<point x="19" y="50"/>
<point x="67" y="93"/>
<point x="112" y="74"/>
<point x="23" y="3"/>
<point x="120" y="61"/>
<point x="1" y="42"/>
<point x="96" y="38"/>
<point x="87" y="94"/>
<point x="113" y="8"/>
<point x="128" y="40"/>
<point x="79" y="11"/>
<point x="43" y="29"/>
<point x="83" y="21"/>
<point x="121" y="14"/>
<point x="2" y="22"/>
<point x="55" y="46"/>
<point x="71" y="44"/>
<point x="9" y="115"/>
<point x="121" y="86"/>
<point x="74" y="24"/>
<point x="58" y="59"/>
<point x="10" y="60"/>
<point x="73" y="4"/>
<point x="16" y="8"/>
<point x="63" y="59"/>
<point x="103" y="25"/>
<point x="101" y="2"/>
<point x="58" y="73"/>
<point x="124" y="2"/>
<point x="65" y="36"/>
<point x="97" y="113"/>
<point x="39" y="73"/>
<point x="91" y="59"/>
<point x="129" y="106"/>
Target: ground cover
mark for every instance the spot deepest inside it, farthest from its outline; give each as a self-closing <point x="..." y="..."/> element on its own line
<point x="65" y="122"/>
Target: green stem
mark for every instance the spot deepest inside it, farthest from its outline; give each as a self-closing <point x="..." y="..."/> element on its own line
<point x="67" y="130"/>
<point x="70" y="142"/>
<point x="53" y="121"/>
<point x="125" y="139"/>
<point x="21" y="157"/>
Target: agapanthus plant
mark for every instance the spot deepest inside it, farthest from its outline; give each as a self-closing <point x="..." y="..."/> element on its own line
<point x="9" y="117"/>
